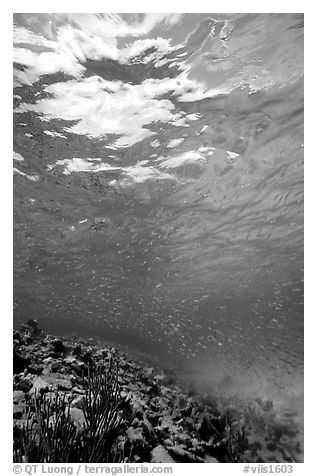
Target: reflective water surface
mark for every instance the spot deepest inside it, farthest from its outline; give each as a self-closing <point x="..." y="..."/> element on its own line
<point x="158" y="194"/>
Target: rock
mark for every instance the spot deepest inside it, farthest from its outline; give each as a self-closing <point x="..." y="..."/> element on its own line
<point x="118" y="443"/>
<point x="24" y="385"/>
<point x="70" y="360"/>
<point x="78" y="401"/>
<point x="17" y="339"/>
<point x="161" y="424"/>
<point x="167" y="428"/>
<point x="135" y="423"/>
<point x="79" y="369"/>
<point x="87" y="359"/>
<point x="168" y="442"/>
<point x="101" y="354"/>
<point x="154" y="389"/>
<point x="138" y="442"/>
<point x="160" y="455"/>
<point x="206" y="429"/>
<point x="148" y="371"/>
<point x="165" y="391"/>
<point x="135" y="435"/>
<point x="183" y="438"/>
<point x="18" y="411"/>
<point x="31" y="328"/>
<point x="160" y="378"/>
<point x="56" y="367"/>
<point x="77" y="417"/>
<point x="77" y="350"/>
<point x="154" y="417"/>
<point x="57" y="346"/>
<point x="19" y="363"/>
<point x="18" y="396"/>
<point x="182" y="455"/>
<point x="35" y="369"/>
<point x="48" y="360"/>
<point x="210" y="459"/>
<point x="63" y="383"/>
<point x="39" y="383"/>
<point x="50" y="381"/>
<point x="81" y="391"/>
<point x="137" y="404"/>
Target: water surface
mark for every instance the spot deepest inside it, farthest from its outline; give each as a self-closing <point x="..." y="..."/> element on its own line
<point x="158" y="194"/>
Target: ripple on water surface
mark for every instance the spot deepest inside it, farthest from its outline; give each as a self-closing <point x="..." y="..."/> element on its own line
<point x="167" y="210"/>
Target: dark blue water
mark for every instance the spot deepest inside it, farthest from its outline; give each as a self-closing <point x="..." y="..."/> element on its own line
<point x="160" y="200"/>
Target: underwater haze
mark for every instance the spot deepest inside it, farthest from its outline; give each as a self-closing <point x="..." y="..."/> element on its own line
<point x="158" y="190"/>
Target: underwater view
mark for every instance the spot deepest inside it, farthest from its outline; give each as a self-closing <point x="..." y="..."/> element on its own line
<point x="158" y="197"/>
